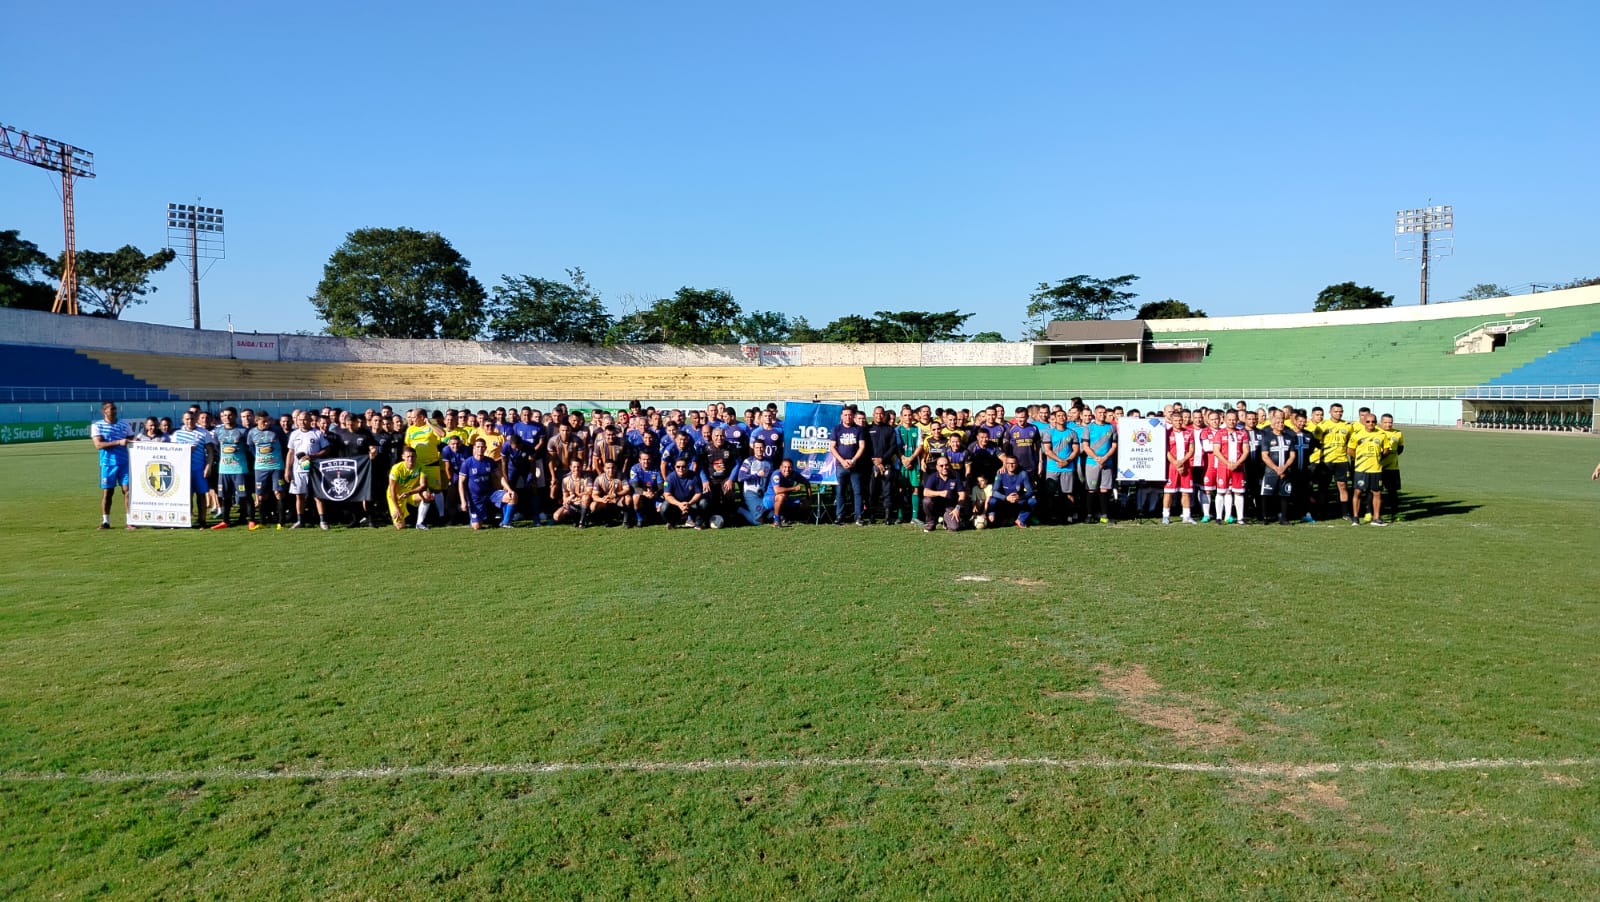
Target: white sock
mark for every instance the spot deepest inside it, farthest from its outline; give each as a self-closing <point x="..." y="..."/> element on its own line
<point x="1205" y="504"/>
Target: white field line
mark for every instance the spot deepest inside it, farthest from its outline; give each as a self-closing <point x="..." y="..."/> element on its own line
<point x="1279" y="770"/>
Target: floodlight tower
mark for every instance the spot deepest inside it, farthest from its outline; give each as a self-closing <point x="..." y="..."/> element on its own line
<point x="197" y="230"/>
<point x="1427" y="233"/>
<point x="71" y="162"/>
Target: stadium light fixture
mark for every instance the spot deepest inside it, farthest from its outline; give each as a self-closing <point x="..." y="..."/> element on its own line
<point x="1425" y="234"/>
<point x="197" y="231"/>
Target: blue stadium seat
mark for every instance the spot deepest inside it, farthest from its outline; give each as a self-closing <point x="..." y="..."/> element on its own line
<point x="30" y="373"/>
<point x="1575" y="364"/>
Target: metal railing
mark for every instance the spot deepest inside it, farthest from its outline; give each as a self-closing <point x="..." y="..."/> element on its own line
<point x="1507" y="326"/>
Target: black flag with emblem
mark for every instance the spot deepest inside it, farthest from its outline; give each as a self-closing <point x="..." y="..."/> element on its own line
<point x="341" y="478"/>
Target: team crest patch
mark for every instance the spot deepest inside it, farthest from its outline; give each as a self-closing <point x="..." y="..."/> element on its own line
<point x="338" y="479"/>
<point x="160" y="478"/>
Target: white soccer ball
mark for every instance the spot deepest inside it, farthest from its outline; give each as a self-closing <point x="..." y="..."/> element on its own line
<point x="716" y="521"/>
<point x="980" y="522"/>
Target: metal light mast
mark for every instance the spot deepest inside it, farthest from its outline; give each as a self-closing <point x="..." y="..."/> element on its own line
<point x="1425" y="234"/>
<point x="71" y="162"/>
<point x="197" y="230"/>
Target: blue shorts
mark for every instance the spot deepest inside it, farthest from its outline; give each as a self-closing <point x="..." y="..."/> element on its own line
<point x="114" y="472"/>
<point x="270" y="482"/>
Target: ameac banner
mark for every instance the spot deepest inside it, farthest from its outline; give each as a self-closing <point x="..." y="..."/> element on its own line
<point x="807" y="428"/>
<point x="158" y="484"/>
<point x="1141" y="449"/>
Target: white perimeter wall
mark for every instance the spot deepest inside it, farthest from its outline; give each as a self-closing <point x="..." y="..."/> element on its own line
<point x="1492" y="309"/>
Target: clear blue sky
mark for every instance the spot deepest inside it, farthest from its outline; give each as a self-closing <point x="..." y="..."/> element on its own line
<point x="824" y="158"/>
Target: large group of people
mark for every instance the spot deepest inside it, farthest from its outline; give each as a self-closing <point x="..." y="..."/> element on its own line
<point x="644" y="466"/>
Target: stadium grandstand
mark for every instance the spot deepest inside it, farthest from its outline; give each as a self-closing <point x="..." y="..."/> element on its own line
<point x="1524" y="362"/>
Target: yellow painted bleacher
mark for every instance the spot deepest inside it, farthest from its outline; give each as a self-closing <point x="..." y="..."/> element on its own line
<point x="198" y="377"/>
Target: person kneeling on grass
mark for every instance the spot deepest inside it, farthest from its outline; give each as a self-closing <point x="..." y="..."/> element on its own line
<point x="478" y="479"/>
<point x="608" y="496"/>
<point x="576" y="492"/>
<point x="685" y="501"/>
<point x="408" y="489"/>
<point x="786" y="492"/>
<point x="943" y="494"/>
<point x="1013" y="497"/>
<point x="645" y="482"/>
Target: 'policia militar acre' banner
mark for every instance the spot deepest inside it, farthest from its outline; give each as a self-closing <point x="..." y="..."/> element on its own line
<point x="158" y="484"/>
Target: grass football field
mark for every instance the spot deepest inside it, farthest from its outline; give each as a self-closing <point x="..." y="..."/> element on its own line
<point x="1125" y="711"/>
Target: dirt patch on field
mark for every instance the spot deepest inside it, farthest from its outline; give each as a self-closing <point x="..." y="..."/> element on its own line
<point x="1193" y="721"/>
<point x="1026" y="582"/>
<point x="1302" y="799"/>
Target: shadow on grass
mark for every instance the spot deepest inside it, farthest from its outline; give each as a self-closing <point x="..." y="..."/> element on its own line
<point x="1423" y="507"/>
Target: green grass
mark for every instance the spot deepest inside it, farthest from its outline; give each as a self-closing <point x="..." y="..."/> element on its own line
<point x="197" y="659"/>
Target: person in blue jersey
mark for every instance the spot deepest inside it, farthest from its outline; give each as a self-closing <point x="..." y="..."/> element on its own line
<point x="454" y="453"/>
<point x="684" y="502"/>
<point x="748" y="485"/>
<point x="883" y="452"/>
<point x="477" y="479"/>
<point x="982" y="456"/>
<point x="1099" y="472"/>
<point x="737" y="435"/>
<point x="681" y="448"/>
<point x="266" y="452"/>
<point x="1022" y="441"/>
<point x="645" y="483"/>
<point x="197" y="439"/>
<point x="943" y="494"/>
<point x="847" y="445"/>
<point x="1060" y="447"/>
<point x="233" y="469"/>
<point x="770" y="436"/>
<point x="786" y="494"/>
<point x="1013" y="498"/>
<point x="111" y="438"/>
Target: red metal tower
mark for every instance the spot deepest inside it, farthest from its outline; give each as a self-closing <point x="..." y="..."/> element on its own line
<point x="71" y="162"/>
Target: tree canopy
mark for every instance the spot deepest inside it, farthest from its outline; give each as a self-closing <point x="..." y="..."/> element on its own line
<point x="399" y="283"/>
<point x="1168" y="309"/>
<point x="110" y="282"/>
<point x="987" y="338"/>
<point x="692" y="316"/>
<point x="1484" y="291"/>
<point x="22" y="270"/>
<point x="763" y="327"/>
<point x="1080" y="297"/>
<point x="1350" y="296"/>
<point x="528" y="308"/>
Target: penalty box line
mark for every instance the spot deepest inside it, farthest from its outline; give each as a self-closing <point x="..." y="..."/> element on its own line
<point x="1278" y="770"/>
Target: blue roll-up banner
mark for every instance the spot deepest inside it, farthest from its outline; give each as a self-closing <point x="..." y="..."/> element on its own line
<point x="807" y="428"/>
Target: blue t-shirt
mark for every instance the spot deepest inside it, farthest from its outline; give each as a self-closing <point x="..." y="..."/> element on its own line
<point x="1101" y="436"/>
<point x="267" y="446"/>
<point x="479" y="474"/>
<point x="686" y="486"/>
<point x="850" y="440"/>
<point x="112" y="432"/>
<point x="774" y="443"/>
<point x="752" y="475"/>
<point x="1063" y="442"/>
<point x="780" y="481"/>
<point x="951" y="483"/>
<point x="1023" y="441"/>
<point x="641" y="478"/>
<point x="1018" y="483"/>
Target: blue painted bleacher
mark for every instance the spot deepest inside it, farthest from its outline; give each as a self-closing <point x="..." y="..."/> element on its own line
<point x="31" y="373"/>
<point x="1574" y="364"/>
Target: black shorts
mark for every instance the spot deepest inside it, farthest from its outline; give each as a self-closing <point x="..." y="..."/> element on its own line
<point x="1368" y="482"/>
<point x="1340" y="471"/>
<point x="1391" y="481"/>
<point x="1273" y="484"/>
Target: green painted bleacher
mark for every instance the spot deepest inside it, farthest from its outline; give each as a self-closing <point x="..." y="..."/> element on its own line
<point x="1388" y="354"/>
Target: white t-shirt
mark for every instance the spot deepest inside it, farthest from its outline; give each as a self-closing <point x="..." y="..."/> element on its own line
<point x="306" y="441"/>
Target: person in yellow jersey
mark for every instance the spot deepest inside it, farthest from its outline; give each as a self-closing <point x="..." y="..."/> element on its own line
<point x="1394" y="445"/>
<point x="492" y="437"/>
<point x="1365" y="449"/>
<point x="454" y="425"/>
<point x="1335" y="434"/>
<point x="408" y="489"/>
<point x="426" y="436"/>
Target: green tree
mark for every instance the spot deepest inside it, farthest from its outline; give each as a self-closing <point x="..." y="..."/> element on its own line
<point x="763" y="327"/>
<point x="692" y="316"/>
<point x="22" y="265"/>
<point x="853" y="329"/>
<point x="1484" y="291"/>
<point x="921" y="326"/>
<point x="1350" y="296"/>
<point x="528" y="308"/>
<point x="110" y="282"/>
<point x="399" y="283"/>
<point x="1582" y="283"/>
<point x="801" y="330"/>
<point x="1078" y="298"/>
<point x="987" y="338"/>
<point x="1168" y="309"/>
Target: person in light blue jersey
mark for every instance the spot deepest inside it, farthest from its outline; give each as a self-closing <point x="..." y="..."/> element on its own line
<point x="111" y="438"/>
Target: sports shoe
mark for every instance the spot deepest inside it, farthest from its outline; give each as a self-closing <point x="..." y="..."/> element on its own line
<point x="927" y="527"/>
<point x="104" y="525"/>
<point x="1308" y="519"/>
<point x="252" y="526"/>
<point x="1206" y="519"/>
<point x="1166" y="520"/>
<point x="296" y="525"/>
<point x="1380" y="523"/>
<point x="1105" y="519"/>
<point x="1352" y="521"/>
<point x="323" y="525"/>
<point x="1366" y="518"/>
<point x="222" y="525"/>
<point x="1188" y="520"/>
<point x="1230" y="519"/>
<point x="279" y="526"/>
<point x="861" y="523"/>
